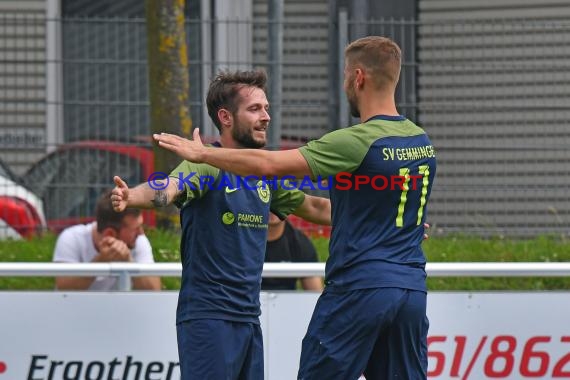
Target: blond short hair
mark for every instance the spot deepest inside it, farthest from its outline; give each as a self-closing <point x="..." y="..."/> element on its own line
<point x="379" y="56"/>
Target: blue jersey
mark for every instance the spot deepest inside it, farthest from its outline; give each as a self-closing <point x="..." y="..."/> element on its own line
<point x="382" y="173"/>
<point x="224" y="230"/>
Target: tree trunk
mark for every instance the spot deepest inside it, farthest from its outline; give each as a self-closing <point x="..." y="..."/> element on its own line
<point x="169" y="83"/>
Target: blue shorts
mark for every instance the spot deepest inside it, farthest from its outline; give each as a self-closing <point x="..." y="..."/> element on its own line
<point x="219" y="349"/>
<point x="381" y="333"/>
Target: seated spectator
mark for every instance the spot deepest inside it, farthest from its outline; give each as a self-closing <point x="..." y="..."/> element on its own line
<point x="113" y="237"/>
<point x="287" y="244"/>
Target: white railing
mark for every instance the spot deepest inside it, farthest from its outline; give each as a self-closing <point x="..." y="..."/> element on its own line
<point x="127" y="270"/>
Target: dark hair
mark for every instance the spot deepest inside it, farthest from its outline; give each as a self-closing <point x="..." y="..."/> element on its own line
<point x="223" y="91"/>
<point x="107" y="217"/>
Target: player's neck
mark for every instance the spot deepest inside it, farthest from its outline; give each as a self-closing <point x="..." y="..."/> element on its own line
<point x="227" y="141"/>
<point x="376" y="104"/>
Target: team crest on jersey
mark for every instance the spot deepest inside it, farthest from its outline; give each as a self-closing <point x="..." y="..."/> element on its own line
<point x="263" y="191"/>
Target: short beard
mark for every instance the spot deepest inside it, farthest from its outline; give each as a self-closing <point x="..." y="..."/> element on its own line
<point x="352" y="102"/>
<point x="354" y="111"/>
<point x="245" y="139"/>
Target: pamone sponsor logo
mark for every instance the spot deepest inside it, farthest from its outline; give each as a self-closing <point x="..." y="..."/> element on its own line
<point x="43" y="367"/>
<point x="251" y="218"/>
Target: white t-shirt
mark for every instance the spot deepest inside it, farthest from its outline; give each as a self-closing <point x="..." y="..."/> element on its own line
<point x="75" y="245"/>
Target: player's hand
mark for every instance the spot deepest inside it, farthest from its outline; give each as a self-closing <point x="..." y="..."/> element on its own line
<point x="112" y="249"/>
<point x="190" y="150"/>
<point x="119" y="195"/>
<point x="426" y="227"/>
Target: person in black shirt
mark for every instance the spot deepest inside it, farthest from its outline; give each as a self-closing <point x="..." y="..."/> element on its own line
<point x="285" y="243"/>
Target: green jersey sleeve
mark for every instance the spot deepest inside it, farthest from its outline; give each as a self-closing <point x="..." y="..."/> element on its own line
<point x="284" y="202"/>
<point x="189" y="176"/>
<point x="339" y="151"/>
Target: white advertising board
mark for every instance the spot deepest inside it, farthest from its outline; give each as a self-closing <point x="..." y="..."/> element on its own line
<point x="88" y="335"/>
<point x="132" y="335"/>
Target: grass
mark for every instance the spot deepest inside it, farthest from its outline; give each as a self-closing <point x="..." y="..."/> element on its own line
<point x="438" y="249"/>
<point x="470" y="249"/>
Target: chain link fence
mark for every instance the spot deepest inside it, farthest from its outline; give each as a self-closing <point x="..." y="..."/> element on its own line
<point x="493" y="96"/>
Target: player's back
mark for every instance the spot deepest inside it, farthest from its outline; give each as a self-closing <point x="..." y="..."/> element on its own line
<point x="379" y="208"/>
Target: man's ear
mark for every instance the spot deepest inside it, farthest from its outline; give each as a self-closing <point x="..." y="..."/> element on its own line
<point x="225" y="116"/>
<point x="359" y="78"/>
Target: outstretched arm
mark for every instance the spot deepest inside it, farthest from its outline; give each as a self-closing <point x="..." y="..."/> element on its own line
<point x="315" y="209"/>
<point x="239" y="161"/>
<point x="142" y="196"/>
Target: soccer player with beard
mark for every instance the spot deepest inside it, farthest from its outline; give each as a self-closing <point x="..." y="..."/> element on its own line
<point x="224" y="230"/>
<point x="371" y="317"/>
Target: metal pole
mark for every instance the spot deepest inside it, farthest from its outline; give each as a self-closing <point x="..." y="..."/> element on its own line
<point x="458" y="269"/>
<point x="275" y="59"/>
<point x="54" y="108"/>
<point x="397" y="21"/>
<point x="343" y="116"/>
<point x="334" y="64"/>
<point x="124" y="282"/>
<point x="358" y="19"/>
